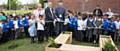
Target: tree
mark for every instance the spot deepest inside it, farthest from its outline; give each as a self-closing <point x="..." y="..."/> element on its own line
<point x="42" y="2"/>
<point x="12" y="4"/>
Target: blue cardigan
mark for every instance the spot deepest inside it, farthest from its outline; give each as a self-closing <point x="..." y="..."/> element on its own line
<point x="106" y="24"/>
<point x="25" y="22"/>
<point x="11" y="24"/>
<point x="112" y="27"/>
<point x="73" y="23"/>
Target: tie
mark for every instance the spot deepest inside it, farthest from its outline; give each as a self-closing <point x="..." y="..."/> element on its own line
<point x="51" y="12"/>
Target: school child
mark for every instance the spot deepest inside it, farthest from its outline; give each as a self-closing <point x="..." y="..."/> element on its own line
<point x="90" y="26"/>
<point x="26" y="25"/>
<point x="5" y="34"/>
<point x="117" y="23"/>
<point x="69" y="21"/>
<point x="11" y="27"/>
<point x="22" y="31"/>
<point x="66" y="23"/>
<point x="112" y="28"/>
<point x="105" y="25"/>
<point x="41" y="29"/>
<point x="32" y="28"/>
<point x="17" y="27"/>
<point x="85" y="18"/>
<point x="73" y="24"/>
<point x="80" y="28"/>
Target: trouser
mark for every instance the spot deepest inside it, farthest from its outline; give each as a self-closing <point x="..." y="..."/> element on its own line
<point x="40" y="34"/>
<point x="73" y="32"/>
<point x="118" y="36"/>
<point x="112" y="35"/>
<point x="17" y="33"/>
<point x="79" y="35"/>
<point x="59" y="27"/>
<point x="5" y="37"/>
<point x="32" y="39"/>
<point x="96" y="33"/>
<point x="49" y="27"/>
<point x="89" y="33"/>
<point x="12" y="34"/>
<point x="65" y="27"/>
<point x="26" y="31"/>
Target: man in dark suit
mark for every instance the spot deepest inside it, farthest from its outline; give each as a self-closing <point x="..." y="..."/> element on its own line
<point x="49" y="19"/>
<point x="60" y="14"/>
<point x="97" y="11"/>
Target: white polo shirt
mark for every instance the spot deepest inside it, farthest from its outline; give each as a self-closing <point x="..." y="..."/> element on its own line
<point x="40" y="24"/>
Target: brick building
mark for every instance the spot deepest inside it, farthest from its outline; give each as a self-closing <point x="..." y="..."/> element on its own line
<point x="89" y="5"/>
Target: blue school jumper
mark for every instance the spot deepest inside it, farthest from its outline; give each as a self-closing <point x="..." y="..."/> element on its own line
<point x="5" y="27"/>
<point x="112" y="31"/>
<point x="73" y="23"/>
<point x="25" y="22"/>
<point x="20" y="23"/>
<point x="112" y="27"/>
<point x="5" y="36"/>
<point x="11" y="24"/>
<point x="106" y="25"/>
<point x="26" y="25"/>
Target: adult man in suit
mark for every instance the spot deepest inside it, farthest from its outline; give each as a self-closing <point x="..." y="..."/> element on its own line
<point x="60" y="14"/>
<point x="49" y="19"/>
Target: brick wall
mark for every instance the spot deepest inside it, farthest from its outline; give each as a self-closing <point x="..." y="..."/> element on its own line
<point x="81" y="5"/>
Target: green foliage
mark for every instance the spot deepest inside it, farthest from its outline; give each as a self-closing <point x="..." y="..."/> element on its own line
<point x="12" y="4"/>
<point x="109" y="47"/>
<point x="18" y="12"/>
<point x="42" y="2"/>
<point x="65" y="32"/>
<point x="52" y="43"/>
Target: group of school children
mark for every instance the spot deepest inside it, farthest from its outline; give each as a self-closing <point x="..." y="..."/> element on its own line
<point x="88" y="27"/>
<point x="19" y="26"/>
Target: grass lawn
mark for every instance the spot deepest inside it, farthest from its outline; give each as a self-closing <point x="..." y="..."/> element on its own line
<point x="23" y="45"/>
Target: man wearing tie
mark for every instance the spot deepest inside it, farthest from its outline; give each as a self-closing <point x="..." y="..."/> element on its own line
<point x="49" y="19"/>
<point x="60" y="14"/>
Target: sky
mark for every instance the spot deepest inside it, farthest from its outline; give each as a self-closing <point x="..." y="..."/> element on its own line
<point x="21" y="1"/>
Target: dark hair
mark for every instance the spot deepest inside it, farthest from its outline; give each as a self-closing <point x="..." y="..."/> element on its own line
<point x="2" y="13"/>
<point x="84" y="15"/>
<point x="90" y="15"/>
<point x="40" y="15"/>
<point x="105" y="15"/>
<point x="79" y="13"/>
<point x="11" y="15"/>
